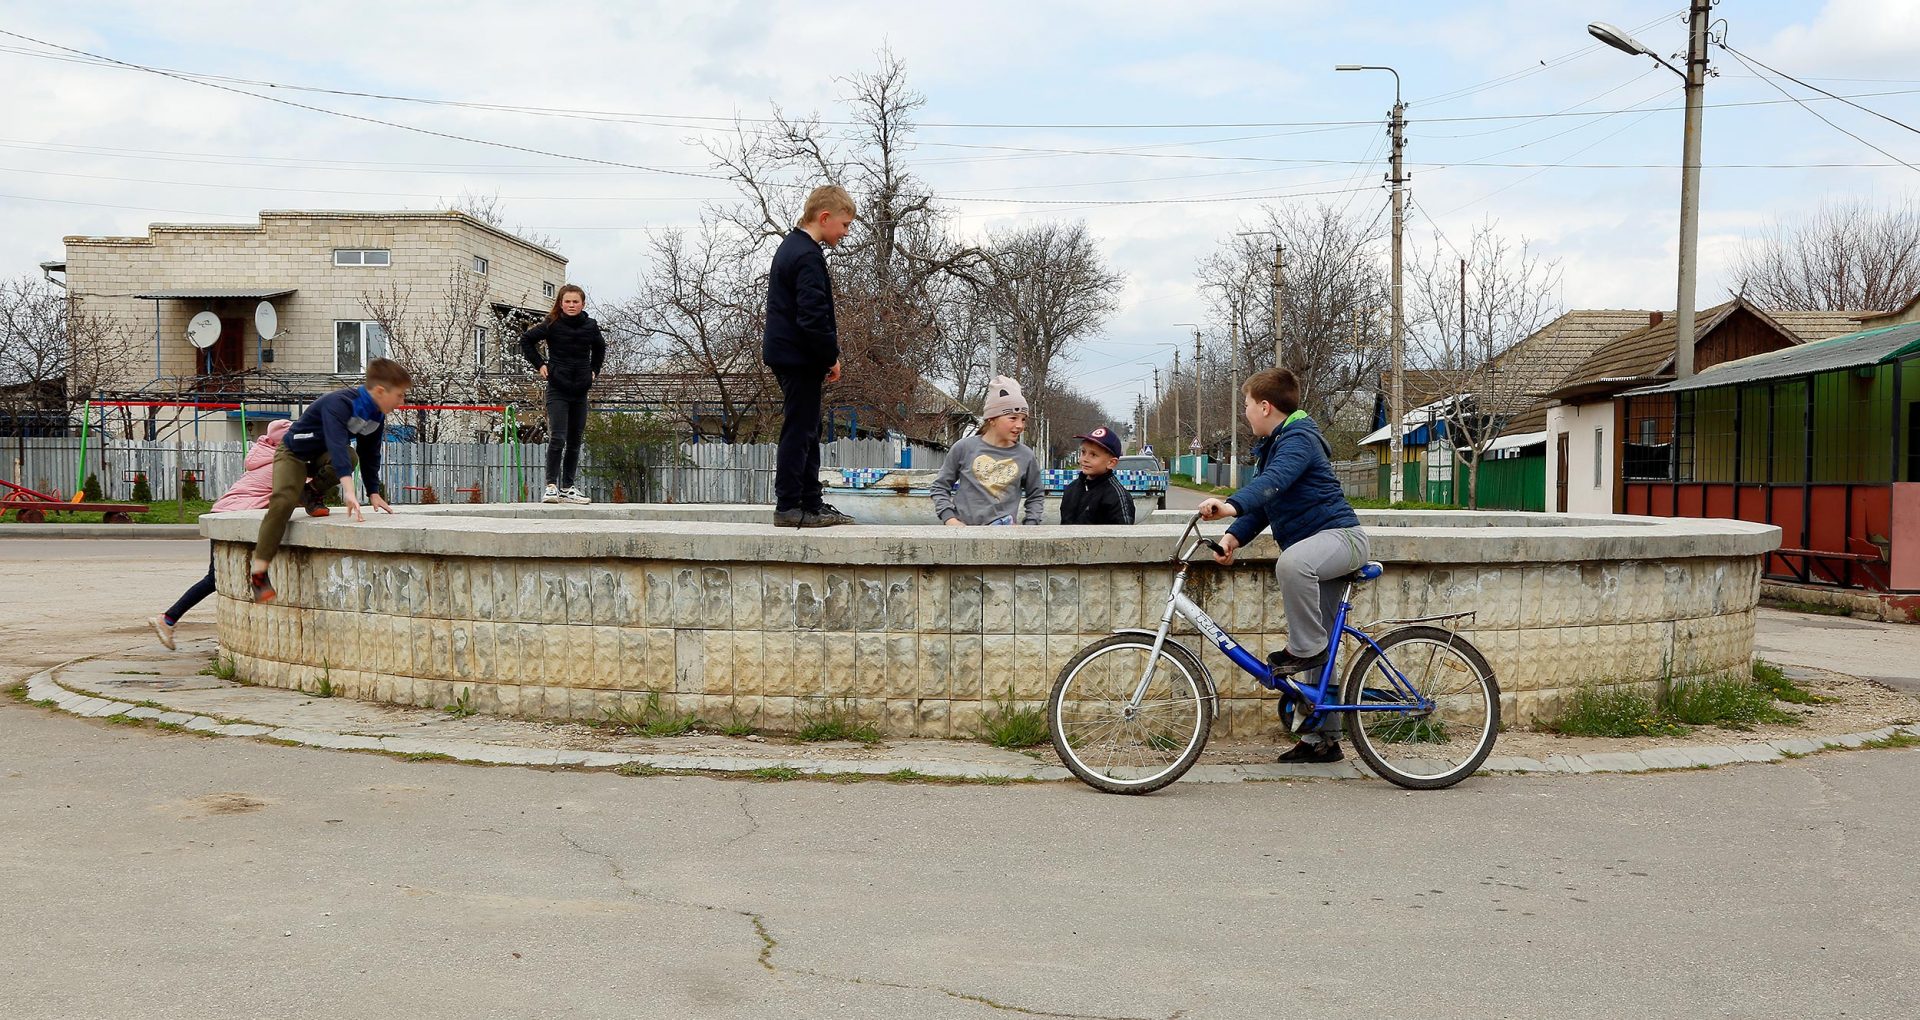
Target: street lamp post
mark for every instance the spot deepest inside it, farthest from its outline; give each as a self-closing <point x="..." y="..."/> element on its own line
<point x="1698" y="14"/>
<point x="1396" y="396"/>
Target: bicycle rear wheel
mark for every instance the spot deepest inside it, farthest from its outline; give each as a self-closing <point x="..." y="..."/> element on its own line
<point x="1116" y="749"/>
<point x="1423" y="748"/>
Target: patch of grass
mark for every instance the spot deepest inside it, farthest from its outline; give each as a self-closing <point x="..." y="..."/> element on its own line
<point x="1899" y="738"/>
<point x="737" y="726"/>
<point x="1769" y="676"/>
<point x="1797" y="606"/>
<point x="1362" y="503"/>
<point x="1413" y="731"/>
<point x="909" y="776"/>
<point x="835" y="720"/>
<point x="462" y="706"/>
<point x="220" y="667"/>
<point x="17" y="692"/>
<point x="162" y="512"/>
<point x="427" y="756"/>
<point x="638" y="768"/>
<point x="652" y="718"/>
<point x="1594" y="712"/>
<point x="1008" y="724"/>
<point x="775" y="772"/>
<point x="1728" y="702"/>
<point x="324" y="689"/>
<point x="125" y="720"/>
<point x="1188" y="482"/>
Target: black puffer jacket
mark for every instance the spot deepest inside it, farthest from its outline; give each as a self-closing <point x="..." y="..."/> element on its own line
<point x="575" y="350"/>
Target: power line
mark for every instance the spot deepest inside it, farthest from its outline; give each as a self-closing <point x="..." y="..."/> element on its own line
<point x="1823" y="118"/>
<point x="1756" y="60"/>
<point x="1525" y="72"/>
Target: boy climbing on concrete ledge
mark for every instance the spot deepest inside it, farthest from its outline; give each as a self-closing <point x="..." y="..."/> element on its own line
<point x="337" y="432"/>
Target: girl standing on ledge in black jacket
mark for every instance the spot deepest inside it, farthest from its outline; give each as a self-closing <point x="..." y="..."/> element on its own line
<point x="575" y="350"/>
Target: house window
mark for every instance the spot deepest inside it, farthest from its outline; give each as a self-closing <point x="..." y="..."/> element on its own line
<point x="362" y="257"/>
<point x="546" y="288"/>
<point x="480" y="347"/>
<point x="479" y="265"/>
<point x="355" y="344"/>
<point x="1599" y="444"/>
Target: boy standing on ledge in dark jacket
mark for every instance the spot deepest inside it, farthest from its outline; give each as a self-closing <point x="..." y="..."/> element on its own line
<point x="1097" y="497"/>
<point x="1296" y="492"/>
<point x="802" y="346"/>
<point x="338" y="431"/>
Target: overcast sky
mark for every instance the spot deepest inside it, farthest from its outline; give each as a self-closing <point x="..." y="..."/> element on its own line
<point x="91" y="149"/>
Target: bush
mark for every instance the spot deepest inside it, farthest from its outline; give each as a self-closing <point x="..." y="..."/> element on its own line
<point x="189" y="487"/>
<point x="142" y="492"/>
<point x="1009" y="725"/>
<point x="90" y="489"/>
<point x="473" y="494"/>
<point x="428" y="496"/>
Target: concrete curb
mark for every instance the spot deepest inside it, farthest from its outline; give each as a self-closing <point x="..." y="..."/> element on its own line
<point x="45" y="688"/>
<point x="174" y="531"/>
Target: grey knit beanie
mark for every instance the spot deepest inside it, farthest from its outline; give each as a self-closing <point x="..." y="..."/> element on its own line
<point x="1004" y="397"/>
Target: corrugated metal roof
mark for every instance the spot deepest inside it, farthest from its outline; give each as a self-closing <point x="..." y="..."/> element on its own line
<point x="1870" y="347"/>
<point x="209" y="293"/>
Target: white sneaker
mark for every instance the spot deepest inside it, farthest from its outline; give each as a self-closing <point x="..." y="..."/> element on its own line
<point x="552" y="495"/>
<point x="573" y="495"/>
<point x="162" y="631"/>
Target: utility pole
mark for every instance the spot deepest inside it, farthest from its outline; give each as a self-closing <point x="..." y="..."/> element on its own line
<point x="1198" y="443"/>
<point x="1173" y="387"/>
<point x="1233" y="392"/>
<point x="1698" y="14"/>
<point x="1395" y="483"/>
<point x="1396" y="389"/>
<point x="1279" y="278"/>
<point x="1160" y="416"/>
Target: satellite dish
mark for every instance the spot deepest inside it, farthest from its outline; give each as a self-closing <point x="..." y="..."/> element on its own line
<point x="203" y="330"/>
<point x="266" y="320"/>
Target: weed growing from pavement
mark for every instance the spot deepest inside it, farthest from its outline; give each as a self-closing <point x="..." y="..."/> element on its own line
<point x="324" y="689"/>
<point x="220" y="667"/>
<point x="651" y="718"/>
<point x="1728" y="701"/>
<point x="1776" y="682"/>
<point x="638" y="768"/>
<point x="1898" y="738"/>
<point x="1010" y="725"/>
<point x="835" y="720"/>
<point x="775" y="772"/>
<point x="1616" y="712"/>
<point x="462" y="706"/>
<point x="427" y="756"/>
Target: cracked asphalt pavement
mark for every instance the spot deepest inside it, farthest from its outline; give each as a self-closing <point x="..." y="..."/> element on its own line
<point x="162" y="874"/>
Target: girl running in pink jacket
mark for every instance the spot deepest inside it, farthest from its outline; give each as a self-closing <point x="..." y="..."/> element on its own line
<point x="249" y="493"/>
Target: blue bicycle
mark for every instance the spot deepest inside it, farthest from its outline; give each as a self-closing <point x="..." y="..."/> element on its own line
<point x="1131" y="712"/>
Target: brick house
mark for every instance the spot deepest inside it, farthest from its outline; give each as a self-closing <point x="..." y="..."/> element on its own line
<point x="320" y="270"/>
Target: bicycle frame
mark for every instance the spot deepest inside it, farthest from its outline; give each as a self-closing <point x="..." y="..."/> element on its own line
<point x="1315" y="694"/>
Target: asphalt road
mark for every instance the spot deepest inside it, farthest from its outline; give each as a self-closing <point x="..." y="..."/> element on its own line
<point x="167" y="875"/>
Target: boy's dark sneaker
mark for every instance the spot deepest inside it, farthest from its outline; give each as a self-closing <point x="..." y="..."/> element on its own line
<point x="795" y="518"/>
<point x="1310" y="752"/>
<point x="829" y="516"/>
<point x="262" y="587"/>
<point x="1287" y="663"/>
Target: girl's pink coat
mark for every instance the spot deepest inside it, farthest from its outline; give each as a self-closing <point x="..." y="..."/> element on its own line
<point x="255" y="487"/>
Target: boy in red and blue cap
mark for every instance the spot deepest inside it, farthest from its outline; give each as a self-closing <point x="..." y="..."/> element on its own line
<point x="1097" y="497"/>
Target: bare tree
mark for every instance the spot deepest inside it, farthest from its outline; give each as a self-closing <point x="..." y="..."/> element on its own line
<point x="1048" y="291"/>
<point x="890" y="271"/>
<point x="1844" y="256"/>
<point x="698" y="314"/>
<point x="1332" y="325"/>
<point x="1475" y="343"/>
<point x="54" y="355"/>
<point x="458" y="349"/>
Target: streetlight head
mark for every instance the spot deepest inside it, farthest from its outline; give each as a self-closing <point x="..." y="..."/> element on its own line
<point x="1348" y="67"/>
<point x="1617" y="39"/>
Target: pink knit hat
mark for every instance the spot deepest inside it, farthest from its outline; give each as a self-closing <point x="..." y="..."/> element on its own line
<point x="1004" y="397"/>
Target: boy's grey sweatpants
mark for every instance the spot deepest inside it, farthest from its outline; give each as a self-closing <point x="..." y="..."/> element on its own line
<point x="1311" y="572"/>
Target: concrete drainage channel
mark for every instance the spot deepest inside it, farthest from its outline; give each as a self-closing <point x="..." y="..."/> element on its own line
<point x="51" y="689"/>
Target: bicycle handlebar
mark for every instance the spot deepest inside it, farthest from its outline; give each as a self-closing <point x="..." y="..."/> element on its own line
<point x="1193" y="529"/>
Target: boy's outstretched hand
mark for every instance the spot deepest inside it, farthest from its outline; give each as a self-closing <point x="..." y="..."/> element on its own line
<point x="1214" y="509"/>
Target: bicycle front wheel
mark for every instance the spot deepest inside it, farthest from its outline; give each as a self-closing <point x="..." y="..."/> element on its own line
<point x="1114" y="746"/>
<point x="1432" y="708"/>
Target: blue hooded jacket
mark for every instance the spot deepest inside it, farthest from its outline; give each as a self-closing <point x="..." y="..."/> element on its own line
<point x="338" y="424"/>
<point x="1294" y="490"/>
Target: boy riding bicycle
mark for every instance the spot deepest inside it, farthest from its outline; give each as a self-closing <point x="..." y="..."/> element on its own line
<point x="1296" y="493"/>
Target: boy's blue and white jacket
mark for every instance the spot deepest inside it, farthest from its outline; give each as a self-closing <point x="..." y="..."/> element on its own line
<point x="337" y="422"/>
<point x="1295" y="490"/>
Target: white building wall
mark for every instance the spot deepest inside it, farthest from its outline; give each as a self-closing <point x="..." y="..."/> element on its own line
<point x="1589" y="432"/>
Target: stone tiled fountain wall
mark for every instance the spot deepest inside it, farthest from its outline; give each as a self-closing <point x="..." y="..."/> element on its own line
<point x="565" y="614"/>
